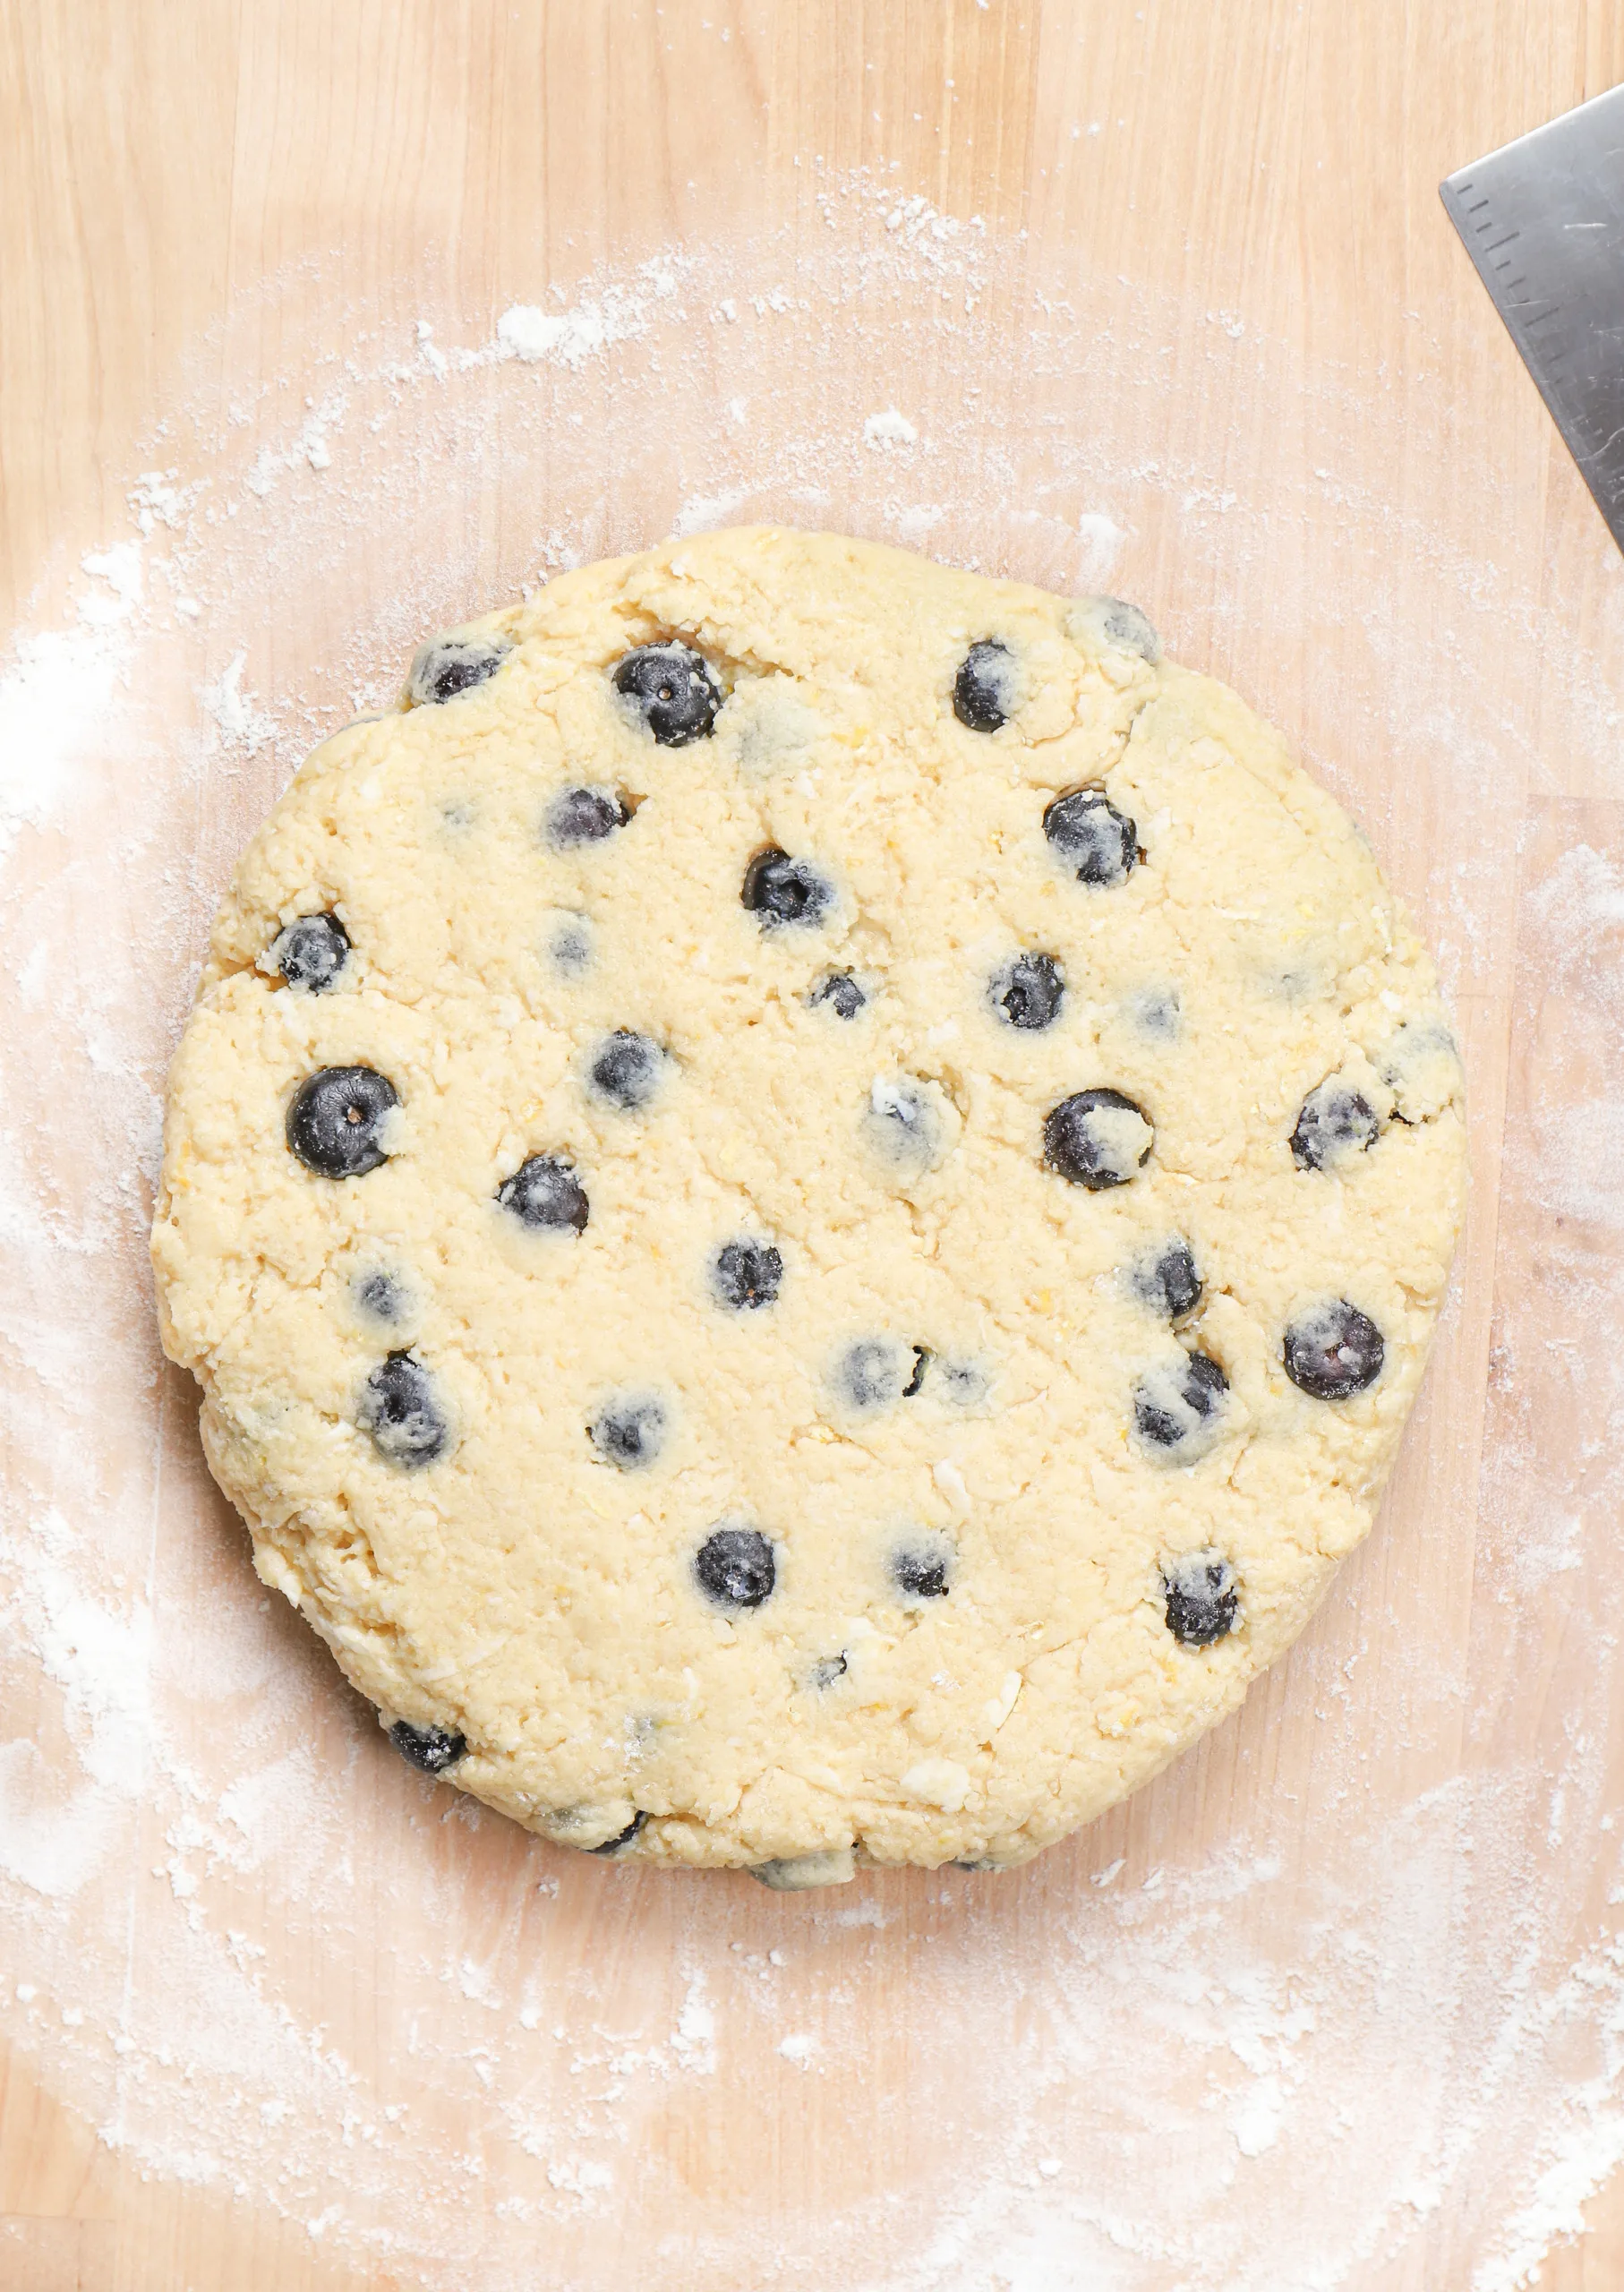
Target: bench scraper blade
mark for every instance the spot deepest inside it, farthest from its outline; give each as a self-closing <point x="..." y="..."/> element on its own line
<point x="1543" y="221"/>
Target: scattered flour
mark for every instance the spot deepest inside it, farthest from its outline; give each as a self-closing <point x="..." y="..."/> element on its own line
<point x="1376" y="2024"/>
<point x="568" y="336"/>
<point x="883" y="431"/>
<point x="236" y="711"/>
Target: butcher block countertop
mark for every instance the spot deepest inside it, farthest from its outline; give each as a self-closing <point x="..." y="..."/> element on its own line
<point x="324" y="323"/>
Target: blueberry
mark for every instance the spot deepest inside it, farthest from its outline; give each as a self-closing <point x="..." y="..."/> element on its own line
<point x="1172" y="1407"/>
<point x="869" y="1374"/>
<point x="545" y="1194"/>
<point x="630" y="1432"/>
<point x="448" y="665"/>
<point x="627" y="1070"/>
<point x="584" y="816"/>
<point x="1098" y="1139"/>
<point x="1027" y="993"/>
<point x="983" y="692"/>
<point x="1097" y="621"/>
<point x="1156" y="1011"/>
<point x="310" y="953"/>
<point x="1335" y="1122"/>
<point x="781" y="890"/>
<point x="335" y="1119"/>
<point x="919" y="1569"/>
<point x="381" y="1297"/>
<point x="402" y="1411"/>
<point x="1420" y="1062"/>
<point x="1203" y="1597"/>
<point x="1130" y="627"/>
<point x="746" y="1274"/>
<point x="672" y="690"/>
<point x="902" y="1123"/>
<point x="1092" y="837"/>
<point x="570" y="946"/>
<point x="841" y="992"/>
<point x="431" y="1749"/>
<point x="964" y="1383"/>
<point x="1168" y="1282"/>
<point x="621" y="1838"/>
<point x="736" y="1567"/>
<point x="1334" y="1351"/>
<point x="921" y="1362"/>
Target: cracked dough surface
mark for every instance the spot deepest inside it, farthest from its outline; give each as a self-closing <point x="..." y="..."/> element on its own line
<point x="525" y="1591"/>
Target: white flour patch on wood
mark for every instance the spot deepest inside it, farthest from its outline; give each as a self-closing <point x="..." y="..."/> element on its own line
<point x="1378" y="2007"/>
<point x="885" y="431"/>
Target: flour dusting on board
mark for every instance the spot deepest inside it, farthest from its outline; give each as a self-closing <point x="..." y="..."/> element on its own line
<point x="1324" y="2009"/>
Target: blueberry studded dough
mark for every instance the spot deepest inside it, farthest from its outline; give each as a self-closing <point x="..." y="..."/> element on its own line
<point x="808" y="1195"/>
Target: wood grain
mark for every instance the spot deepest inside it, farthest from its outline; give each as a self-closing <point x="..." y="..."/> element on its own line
<point x="1275" y="159"/>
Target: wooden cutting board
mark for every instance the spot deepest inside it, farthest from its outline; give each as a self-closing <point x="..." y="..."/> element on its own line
<point x="1159" y="298"/>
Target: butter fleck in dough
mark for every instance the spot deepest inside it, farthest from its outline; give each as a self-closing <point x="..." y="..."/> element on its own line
<point x="989" y="1533"/>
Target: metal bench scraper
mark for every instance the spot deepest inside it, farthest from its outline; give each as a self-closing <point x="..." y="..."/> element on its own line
<point x="1543" y="221"/>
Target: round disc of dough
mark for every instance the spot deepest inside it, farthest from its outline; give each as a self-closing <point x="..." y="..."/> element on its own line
<point x="809" y="1196"/>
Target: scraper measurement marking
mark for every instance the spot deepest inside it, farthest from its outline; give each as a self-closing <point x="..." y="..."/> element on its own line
<point x="1511" y="300"/>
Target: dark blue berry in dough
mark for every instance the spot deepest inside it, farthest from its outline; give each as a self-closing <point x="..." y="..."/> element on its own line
<point x="841" y="992"/>
<point x="736" y="1567"/>
<point x="402" y="1411"/>
<point x="869" y="1373"/>
<point x="1156" y="1011"/>
<point x="381" y="1296"/>
<point x="432" y="1748"/>
<point x="921" y="1567"/>
<point x="310" y="953"/>
<point x="672" y="690"/>
<point x="1029" y="992"/>
<point x="334" y="1121"/>
<point x="1130" y="627"/>
<point x="621" y="1838"/>
<point x="1334" y="1351"/>
<point x="746" y="1274"/>
<point x="584" y="816"/>
<point x="902" y="1123"/>
<point x="1169" y="1410"/>
<point x="627" y="1070"/>
<point x="571" y="947"/>
<point x="981" y="695"/>
<point x="921" y="1362"/>
<point x="448" y="665"/>
<point x="629" y="1433"/>
<point x="781" y="890"/>
<point x="1202" y="1598"/>
<point x="966" y="1382"/>
<point x="1098" y="841"/>
<point x="545" y="1194"/>
<point x="1335" y="1121"/>
<point x="1168" y="1282"/>
<point x="1081" y="1147"/>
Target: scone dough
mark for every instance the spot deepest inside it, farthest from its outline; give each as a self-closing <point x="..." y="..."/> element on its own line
<point x="910" y="1162"/>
